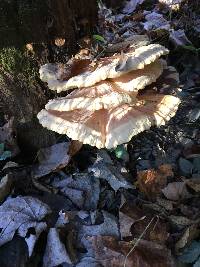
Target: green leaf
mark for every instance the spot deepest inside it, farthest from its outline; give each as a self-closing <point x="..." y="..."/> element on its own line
<point x="99" y="38"/>
<point x="191" y="253"/>
<point x="190" y="48"/>
<point x="121" y="153"/>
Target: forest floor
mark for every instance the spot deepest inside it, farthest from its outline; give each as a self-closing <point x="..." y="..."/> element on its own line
<point x="134" y="206"/>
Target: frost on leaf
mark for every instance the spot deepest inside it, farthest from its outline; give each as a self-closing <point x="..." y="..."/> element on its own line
<point x="117" y="101"/>
<point x="18" y="215"/>
<point x="55" y="252"/>
<point x="131" y="6"/>
<point x="104" y="168"/>
<point x="155" y="21"/>
<point x="82" y="189"/>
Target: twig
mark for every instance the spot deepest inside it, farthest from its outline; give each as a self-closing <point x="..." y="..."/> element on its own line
<point x="138" y="240"/>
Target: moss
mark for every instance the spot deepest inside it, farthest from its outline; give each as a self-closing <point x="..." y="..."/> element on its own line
<point x="15" y="62"/>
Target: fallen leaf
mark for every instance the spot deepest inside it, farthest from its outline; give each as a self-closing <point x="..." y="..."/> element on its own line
<point x="55" y="252"/>
<point x="133" y="41"/>
<point x="151" y="182"/>
<point x="185" y="166"/>
<point x="5" y="186"/>
<point x="82" y="189"/>
<point x="108" y="227"/>
<point x="179" y="38"/>
<point x="192" y="232"/>
<point x="131" y="5"/>
<point x="156" y="21"/>
<point x="18" y="215"/>
<point x="104" y="168"/>
<point x="176" y="191"/>
<point x="51" y="159"/>
<point x="181" y="220"/>
<point x="191" y="253"/>
<point x="8" y="138"/>
<point x="10" y="164"/>
<point x="166" y="204"/>
<point x="133" y="221"/>
<point x="194" y="183"/>
<point x="108" y="251"/>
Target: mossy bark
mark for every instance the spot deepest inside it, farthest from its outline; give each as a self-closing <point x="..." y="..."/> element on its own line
<point x="28" y="32"/>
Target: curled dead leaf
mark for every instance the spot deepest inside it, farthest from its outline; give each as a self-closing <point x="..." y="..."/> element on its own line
<point x="110" y="252"/>
<point x="176" y="191"/>
<point x="152" y="181"/>
<point x="191" y="233"/>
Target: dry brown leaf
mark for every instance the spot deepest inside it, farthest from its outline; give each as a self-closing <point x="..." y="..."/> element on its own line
<point x="133" y="41"/>
<point x="176" y="191"/>
<point x="166" y="204"/>
<point x="133" y="220"/>
<point x="189" y="234"/>
<point x="110" y="252"/>
<point x="181" y="220"/>
<point x="152" y="181"/>
<point x="194" y="183"/>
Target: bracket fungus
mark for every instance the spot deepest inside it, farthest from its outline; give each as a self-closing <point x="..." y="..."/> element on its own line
<point x="114" y="98"/>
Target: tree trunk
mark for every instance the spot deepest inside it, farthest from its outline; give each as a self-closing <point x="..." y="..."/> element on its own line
<point x="114" y="3"/>
<point x="34" y="33"/>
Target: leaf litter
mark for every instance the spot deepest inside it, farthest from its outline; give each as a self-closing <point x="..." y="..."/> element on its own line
<point x="135" y="206"/>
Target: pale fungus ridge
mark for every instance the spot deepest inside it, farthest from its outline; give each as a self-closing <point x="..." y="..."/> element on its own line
<point x="105" y="68"/>
<point x="114" y="100"/>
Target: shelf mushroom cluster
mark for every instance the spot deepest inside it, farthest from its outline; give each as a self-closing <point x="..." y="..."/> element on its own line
<point x="114" y="98"/>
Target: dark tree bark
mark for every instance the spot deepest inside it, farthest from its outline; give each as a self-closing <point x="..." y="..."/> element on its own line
<point x="28" y="30"/>
<point x="28" y="21"/>
<point x="114" y="3"/>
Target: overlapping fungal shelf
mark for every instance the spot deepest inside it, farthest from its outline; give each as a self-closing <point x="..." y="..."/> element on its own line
<point x="113" y="99"/>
